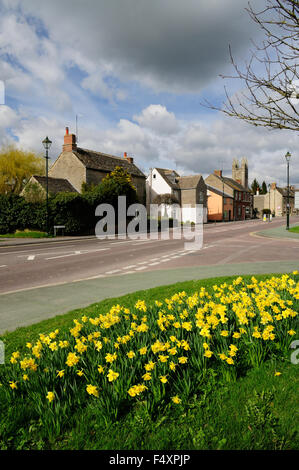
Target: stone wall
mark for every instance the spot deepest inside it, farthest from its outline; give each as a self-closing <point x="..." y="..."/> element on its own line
<point x="69" y="167"/>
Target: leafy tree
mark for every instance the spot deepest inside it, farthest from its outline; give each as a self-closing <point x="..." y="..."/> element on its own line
<point x="264" y="189"/>
<point x="270" y="78"/>
<point x="16" y="168"/>
<point x="117" y="183"/>
<point x="255" y="186"/>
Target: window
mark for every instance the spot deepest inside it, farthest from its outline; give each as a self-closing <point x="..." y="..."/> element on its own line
<point x="154" y="176"/>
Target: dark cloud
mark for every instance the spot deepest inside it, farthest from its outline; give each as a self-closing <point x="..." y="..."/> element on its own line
<point x="168" y="45"/>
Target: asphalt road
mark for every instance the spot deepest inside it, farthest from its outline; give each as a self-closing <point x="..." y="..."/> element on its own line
<point x="53" y="263"/>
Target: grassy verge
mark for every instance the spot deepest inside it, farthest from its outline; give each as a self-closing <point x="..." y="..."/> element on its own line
<point x="25" y="234"/>
<point x="251" y="405"/>
<point x="294" y="229"/>
<point x="17" y="339"/>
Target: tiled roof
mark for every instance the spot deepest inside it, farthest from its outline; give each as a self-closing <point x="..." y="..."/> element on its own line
<point x="55" y="185"/>
<point x="170" y="176"/>
<point x="105" y="162"/>
<point x="217" y="191"/>
<point x="235" y="185"/>
<point x="284" y="191"/>
<point x="189" y="182"/>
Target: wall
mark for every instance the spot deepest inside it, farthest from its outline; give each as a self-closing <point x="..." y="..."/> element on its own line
<point x="68" y="166"/>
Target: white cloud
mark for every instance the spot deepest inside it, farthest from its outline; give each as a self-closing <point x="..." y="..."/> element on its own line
<point x="158" y="119"/>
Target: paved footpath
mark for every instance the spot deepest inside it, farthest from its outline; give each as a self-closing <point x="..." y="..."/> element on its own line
<point x="47" y="284"/>
<point x="31" y="306"/>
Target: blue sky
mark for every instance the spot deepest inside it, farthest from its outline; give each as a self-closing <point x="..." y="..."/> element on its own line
<point x="136" y="73"/>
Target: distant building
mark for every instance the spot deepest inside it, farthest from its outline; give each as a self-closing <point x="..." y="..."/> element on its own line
<point x="275" y="200"/>
<point x="230" y="198"/>
<point x="167" y="188"/>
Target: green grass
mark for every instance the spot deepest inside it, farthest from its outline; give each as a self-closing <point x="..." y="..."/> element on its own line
<point x="256" y="411"/>
<point x="259" y="411"/>
<point x="25" y="234"/>
<point x="17" y="339"/>
<point x="294" y="229"/>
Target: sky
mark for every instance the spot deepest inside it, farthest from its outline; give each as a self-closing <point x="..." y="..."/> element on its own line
<point x="136" y="73"/>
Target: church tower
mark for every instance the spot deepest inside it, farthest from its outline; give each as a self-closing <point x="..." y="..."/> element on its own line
<point x="240" y="174"/>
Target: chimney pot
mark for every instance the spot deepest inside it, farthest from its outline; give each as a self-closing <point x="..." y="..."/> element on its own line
<point x="218" y="173"/>
<point x="69" y="141"/>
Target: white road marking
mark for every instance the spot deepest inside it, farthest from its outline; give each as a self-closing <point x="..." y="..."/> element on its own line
<point x="31" y="258"/>
<point x="154" y="264"/>
<point x="83" y="252"/>
<point x="113" y="272"/>
<point x="140" y="269"/>
<point x="131" y="266"/>
<point x="3" y="266"/>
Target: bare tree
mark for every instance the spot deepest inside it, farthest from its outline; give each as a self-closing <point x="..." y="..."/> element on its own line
<point x="270" y="92"/>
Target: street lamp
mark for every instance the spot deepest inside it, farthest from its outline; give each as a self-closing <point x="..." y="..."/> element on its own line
<point x="47" y="144"/>
<point x="288" y="157"/>
<point x="269" y="188"/>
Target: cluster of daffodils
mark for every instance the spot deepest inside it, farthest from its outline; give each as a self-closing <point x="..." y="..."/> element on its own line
<point x="153" y="351"/>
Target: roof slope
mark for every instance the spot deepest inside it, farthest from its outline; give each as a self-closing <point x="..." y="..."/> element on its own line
<point x="170" y="176"/>
<point x="189" y="182"/>
<point x="105" y="162"/>
<point x="55" y="185"/>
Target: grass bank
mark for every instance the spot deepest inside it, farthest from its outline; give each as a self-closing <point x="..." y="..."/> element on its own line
<point x="25" y="234"/>
<point x="196" y="365"/>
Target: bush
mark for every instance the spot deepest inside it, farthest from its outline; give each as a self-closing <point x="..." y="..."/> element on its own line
<point x="73" y="211"/>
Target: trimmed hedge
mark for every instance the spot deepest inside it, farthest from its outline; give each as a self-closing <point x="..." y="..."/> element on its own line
<point x="17" y="214"/>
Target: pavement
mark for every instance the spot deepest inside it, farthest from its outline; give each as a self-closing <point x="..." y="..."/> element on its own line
<point x="40" y="280"/>
<point x="279" y="232"/>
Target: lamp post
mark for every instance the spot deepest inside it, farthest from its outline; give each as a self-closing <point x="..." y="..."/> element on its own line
<point x="269" y="188"/>
<point x="47" y="144"/>
<point x="288" y="157"/>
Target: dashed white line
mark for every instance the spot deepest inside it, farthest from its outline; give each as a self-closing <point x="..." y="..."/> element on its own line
<point x="154" y="264"/>
<point x="142" y="267"/>
<point x="3" y="266"/>
<point x="113" y="272"/>
<point x="130" y="267"/>
<point x="31" y="258"/>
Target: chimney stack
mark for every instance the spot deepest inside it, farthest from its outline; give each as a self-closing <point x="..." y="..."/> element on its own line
<point x="273" y="186"/>
<point x="218" y="173"/>
<point x="129" y="159"/>
<point x="69" y="141"/>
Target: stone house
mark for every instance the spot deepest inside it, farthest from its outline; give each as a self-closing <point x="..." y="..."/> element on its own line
<point x="220" y="205"/>
<point x="236" y="189"/>
<point x="77" y="166"/>
<point x="37" y="186"/>
<point x="275" y="200"/>
<point x="166" y="187"/>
